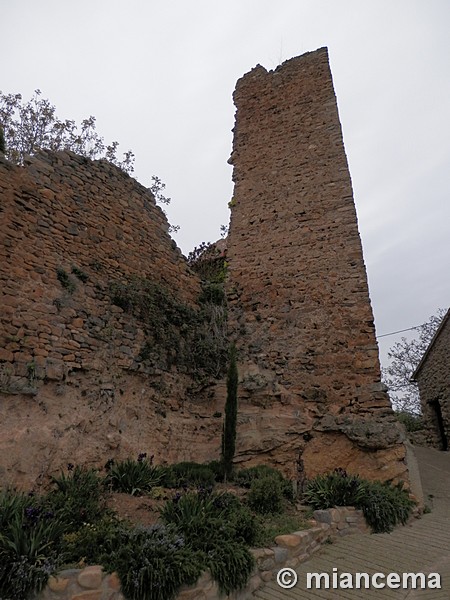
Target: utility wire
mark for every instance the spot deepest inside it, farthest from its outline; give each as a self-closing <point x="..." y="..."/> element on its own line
<point x="400" y="331"/>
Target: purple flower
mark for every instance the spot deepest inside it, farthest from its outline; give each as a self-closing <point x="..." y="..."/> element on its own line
<point x="142" y="456"/>
<point x="70" y="467"/>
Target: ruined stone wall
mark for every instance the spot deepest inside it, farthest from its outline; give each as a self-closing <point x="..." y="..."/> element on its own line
<point x="71" y="384"/>
<point x="433" y="378"/>
<point x="90" y="220"/>
<point x="310" y="390"/>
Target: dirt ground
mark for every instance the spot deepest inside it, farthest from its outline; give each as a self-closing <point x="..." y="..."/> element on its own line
<point x="140" y="510"/>
<point x="144" y="510"/>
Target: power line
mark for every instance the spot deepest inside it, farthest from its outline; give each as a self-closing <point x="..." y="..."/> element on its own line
<point x="400" y="331"/>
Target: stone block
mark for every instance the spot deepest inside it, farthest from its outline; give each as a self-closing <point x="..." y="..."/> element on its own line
<point x="194" y="593"/>
<point x="266" y="564"/>
<point x="323" y="516"/>
<point x="266" y="575"/>
<point x="289" y="541"/>
<point x="280" y="555"/>
<point x="55" y="370"/>
<point x="6" y="355"/>
<point x="91" y="577"/>
<point x="113" y="581"/>
<point x="57" y="584"/>
<point x="88" y="595"/>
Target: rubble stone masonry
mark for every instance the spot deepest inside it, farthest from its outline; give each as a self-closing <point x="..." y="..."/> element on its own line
<point x="71" y="382"/>
<point x="310" y="389"/>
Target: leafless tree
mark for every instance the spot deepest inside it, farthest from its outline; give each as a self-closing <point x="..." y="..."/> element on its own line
<point x="404" y="358"/>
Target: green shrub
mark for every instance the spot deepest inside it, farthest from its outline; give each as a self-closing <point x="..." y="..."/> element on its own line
<point x="217" y="466"/>
<point x="94" y="543"/>
<point x="77" y="498"/>
<point x="176" y="333"/>
<point x="266" y="496"/>
<point x="188" y="474"/>
<point x="246" y="526"/>
<point x="213" y="293"/>
<point x="185" y="510"/>
<point x="30" y="542"/>
<point x="134" y="477"/>
<point x="13" y="505"/>
<point x="245" y="477"/>
<point x="230" y="564"/>
<point x="218" y="527"/>
<point x="334" y="489"/>
<point x="411" y="421"/>
<point x="279" y="524"/>
<point x="153" y="562"/>
<point x="384" y="505"/>
<point x="82" y="276"/>
<point x="65" y="280"/>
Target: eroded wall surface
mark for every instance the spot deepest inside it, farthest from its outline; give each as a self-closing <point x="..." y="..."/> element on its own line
<point x="73" y="384"/>
<point x="311" y="395"/>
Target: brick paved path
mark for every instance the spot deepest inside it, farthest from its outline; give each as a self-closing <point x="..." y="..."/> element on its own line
<point x="423" y="546"/>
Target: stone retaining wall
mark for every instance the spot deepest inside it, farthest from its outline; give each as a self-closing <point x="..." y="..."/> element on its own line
<point x="92" y="583"/>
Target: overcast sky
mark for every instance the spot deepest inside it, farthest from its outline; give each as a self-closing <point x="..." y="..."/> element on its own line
<point x="159" y="76"/>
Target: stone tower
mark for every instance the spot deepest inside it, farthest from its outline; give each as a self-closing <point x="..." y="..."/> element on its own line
<point x="311" y="397"/>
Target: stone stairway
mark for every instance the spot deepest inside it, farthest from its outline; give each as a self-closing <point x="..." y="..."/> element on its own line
<point x="420" y="547"/>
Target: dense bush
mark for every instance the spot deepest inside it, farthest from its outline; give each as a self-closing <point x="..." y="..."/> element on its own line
<point x="134" y="477"/>
<point x="94" y="543"/>
<point x="230" y="564"/>
<point x="245" y="477"/>
<point x="411" y="421"/>
<point x="30" y="539"/>
<point x="266" y="496"/>
<point x="153" y="562"/>
<point x="219" y="527"/>
<point x="384" y="505"/>
<point x="71" y="525"/>
<point x="335" y="489"/>
<point x="77" y="497"/>
<point x="188" y="474"/>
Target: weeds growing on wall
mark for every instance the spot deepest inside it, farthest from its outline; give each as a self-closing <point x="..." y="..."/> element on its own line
<point x="209" y="263"/>
<point x="65" y="280"/>
<point x="192" y="339"/>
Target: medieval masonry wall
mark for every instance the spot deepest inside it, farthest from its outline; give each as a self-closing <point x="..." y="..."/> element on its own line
<point x="72" y="384"/>
<point x="310" y="389"/>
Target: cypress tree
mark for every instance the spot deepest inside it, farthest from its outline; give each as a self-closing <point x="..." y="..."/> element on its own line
<point x="229" y="427"/>
<point x="2" y="141"/>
